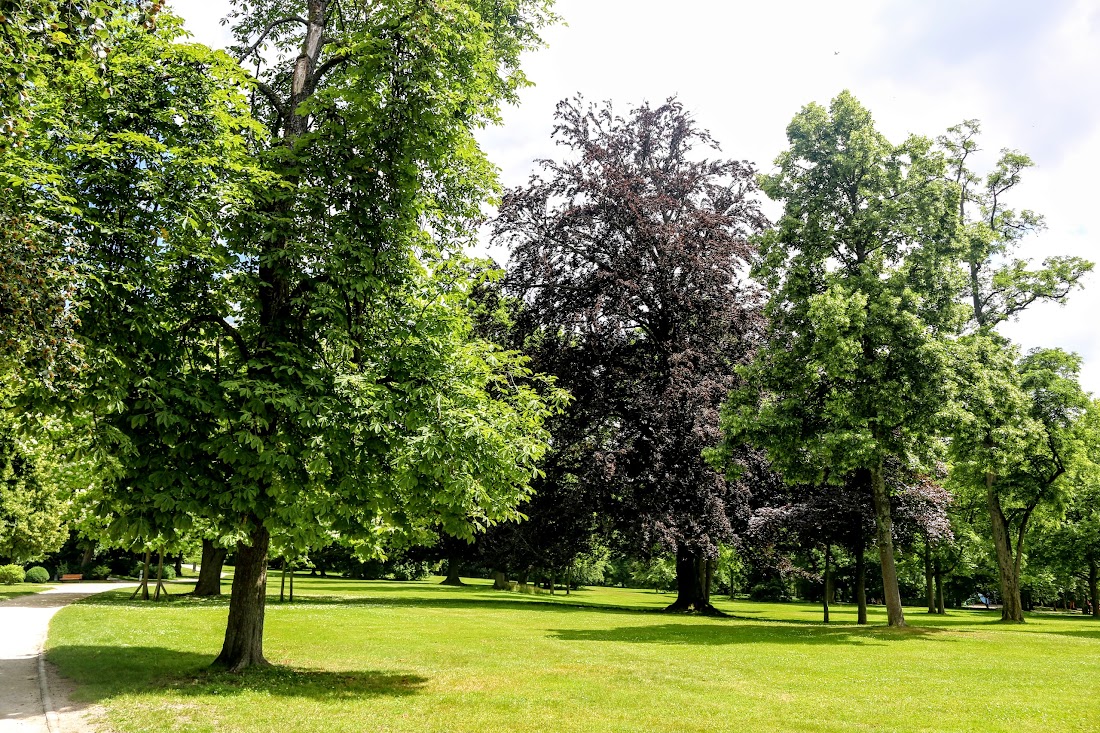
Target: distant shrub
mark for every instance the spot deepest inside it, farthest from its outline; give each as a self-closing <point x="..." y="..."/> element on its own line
<point x="11" y="574"/>
<point x="167" y="572"/>
<point x="773" y="589"/>
<point x="410" y="570"/>
<point x="99" y="572"/>
<point x="38" y="574"/>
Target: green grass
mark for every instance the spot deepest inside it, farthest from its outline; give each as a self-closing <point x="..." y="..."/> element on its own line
<point x="21" y="589"/>
<point x="378" y="656"/>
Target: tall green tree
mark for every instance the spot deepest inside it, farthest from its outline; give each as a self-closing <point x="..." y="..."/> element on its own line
<point x="1018" y="431"/>
<point x="860" y="270"/>
<point x="1000" y="286"/>
<point x="277" y="333"/>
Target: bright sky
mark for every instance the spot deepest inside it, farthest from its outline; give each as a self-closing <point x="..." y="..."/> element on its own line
<point x="1030" y="71"/>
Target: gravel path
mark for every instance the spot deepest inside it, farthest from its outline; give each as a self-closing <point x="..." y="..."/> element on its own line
<point x="28" y="701"/>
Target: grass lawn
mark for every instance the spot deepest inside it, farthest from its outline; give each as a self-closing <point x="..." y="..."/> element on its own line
<point x="381" y="656"/>
<point x="21" y="589"/>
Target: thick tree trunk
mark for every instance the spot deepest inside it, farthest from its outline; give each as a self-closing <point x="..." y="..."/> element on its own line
<point x="1012" y="610"/>
<point x="86" y="560"/>
<point x="244" y="632"/>
<point x="500" y="581"/>
<point x="210" y="571"/>
<point x="929" y="579"/>
<point x="1094" y="588"/>
<point x="861" y="587"/>
<point x="452" y="573"/>
<point x="828" y="584"/>
<point x="884" y="526"/>
<point x="694" y="574"/>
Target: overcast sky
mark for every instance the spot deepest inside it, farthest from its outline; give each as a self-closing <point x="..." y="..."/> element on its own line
<point x="1028" y="69"/>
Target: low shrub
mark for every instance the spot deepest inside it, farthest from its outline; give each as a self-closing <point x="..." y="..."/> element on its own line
<point x="11" y="574"/>
<point x="37" y="574"/>
<point x="167" y="572"/>
<point x="99" y="572"/>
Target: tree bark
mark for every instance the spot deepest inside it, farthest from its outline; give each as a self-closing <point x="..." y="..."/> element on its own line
<point x="861" y="587"/>
<point x="86" y="560"/>
<point x="210" y="571"/>
<point x="143" y="587"/>
<point x="939" y="589"/>
<point x="828" y="584"/>
<point x="160" y="577"/>
<point x="1094" y="588"/>
<point x="500" y="581"/>
<point x="244" y="642"/>
<point x="929" y="578"/>
<point x="694" y="574"/>
<point x="884" y="526"/>
<point x="452" y="573"/>
<point x="1012" y="610"/>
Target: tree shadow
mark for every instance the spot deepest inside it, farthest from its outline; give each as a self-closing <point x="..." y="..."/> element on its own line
<point x="105" y="671"/>
<point x="720" y="634"/>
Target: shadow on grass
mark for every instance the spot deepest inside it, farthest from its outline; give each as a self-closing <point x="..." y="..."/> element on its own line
<point x="723" y="634"/>
<point x="107" y="671"/>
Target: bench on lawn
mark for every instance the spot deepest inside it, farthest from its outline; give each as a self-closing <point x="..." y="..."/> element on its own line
<point x="71" y="576"/>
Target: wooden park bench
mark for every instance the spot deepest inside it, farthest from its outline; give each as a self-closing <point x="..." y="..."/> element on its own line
<point x="71" y="576"/>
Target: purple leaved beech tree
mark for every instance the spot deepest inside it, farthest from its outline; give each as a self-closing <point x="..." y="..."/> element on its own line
<point x="630" y="256"/>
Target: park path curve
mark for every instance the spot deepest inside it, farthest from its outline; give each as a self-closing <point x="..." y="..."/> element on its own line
<point x="26" y="702"/>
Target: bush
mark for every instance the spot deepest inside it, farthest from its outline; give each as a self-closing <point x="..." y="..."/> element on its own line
<point x="167" y="572"/>
<point x="99" y="572"/>
<point x="11" y="574"/>
<point x="38" y="574"/>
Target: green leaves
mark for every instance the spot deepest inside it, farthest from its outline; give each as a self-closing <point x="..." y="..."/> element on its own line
<point x="861" y="270"/>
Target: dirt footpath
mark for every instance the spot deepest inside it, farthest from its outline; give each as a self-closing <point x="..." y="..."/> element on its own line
<point x="29" y="701"/>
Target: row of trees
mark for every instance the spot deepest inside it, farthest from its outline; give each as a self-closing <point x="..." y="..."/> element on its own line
<point x="839" y="371"/>
<point x="236" y="302"/>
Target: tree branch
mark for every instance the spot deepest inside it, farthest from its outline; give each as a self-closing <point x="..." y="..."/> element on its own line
<point x="272" y="97"/>
<point x="221" y="323"/>
<point x="271" y="26"/>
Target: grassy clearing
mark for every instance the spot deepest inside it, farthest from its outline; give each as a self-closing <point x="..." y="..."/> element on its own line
<point x="378" y="656"/>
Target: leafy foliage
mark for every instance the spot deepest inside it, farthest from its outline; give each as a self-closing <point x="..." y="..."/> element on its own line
<point x="629" y="256"/>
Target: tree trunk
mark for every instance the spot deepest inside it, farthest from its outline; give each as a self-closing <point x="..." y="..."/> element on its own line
<point x="1094" y="588"/>
<point x="178" y="564"/>
<point x="861" y="587"/>
<point x="828" y="584"/>
<point x="160" y="577"/>
<point x="694" y="574"/>
<point x="282" y="583"/>
<point x="500" y="581"/>
<point x="884" y="526"/>
<point x="143" y="587"/>
<point x="86" y="560"/>
<point x="929" y="578"/>
<point x="1011" y="607"/>
<point x="292" y="584"/>
<point x="244" y="632"/>
<point x="452" y="573"/>
<point x="939" y="589"/>
<point x="210" y="571"/>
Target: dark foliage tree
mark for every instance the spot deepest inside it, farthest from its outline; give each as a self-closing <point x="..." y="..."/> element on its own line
<point x="629" y="256"/>
<point x="792" y="517"/>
